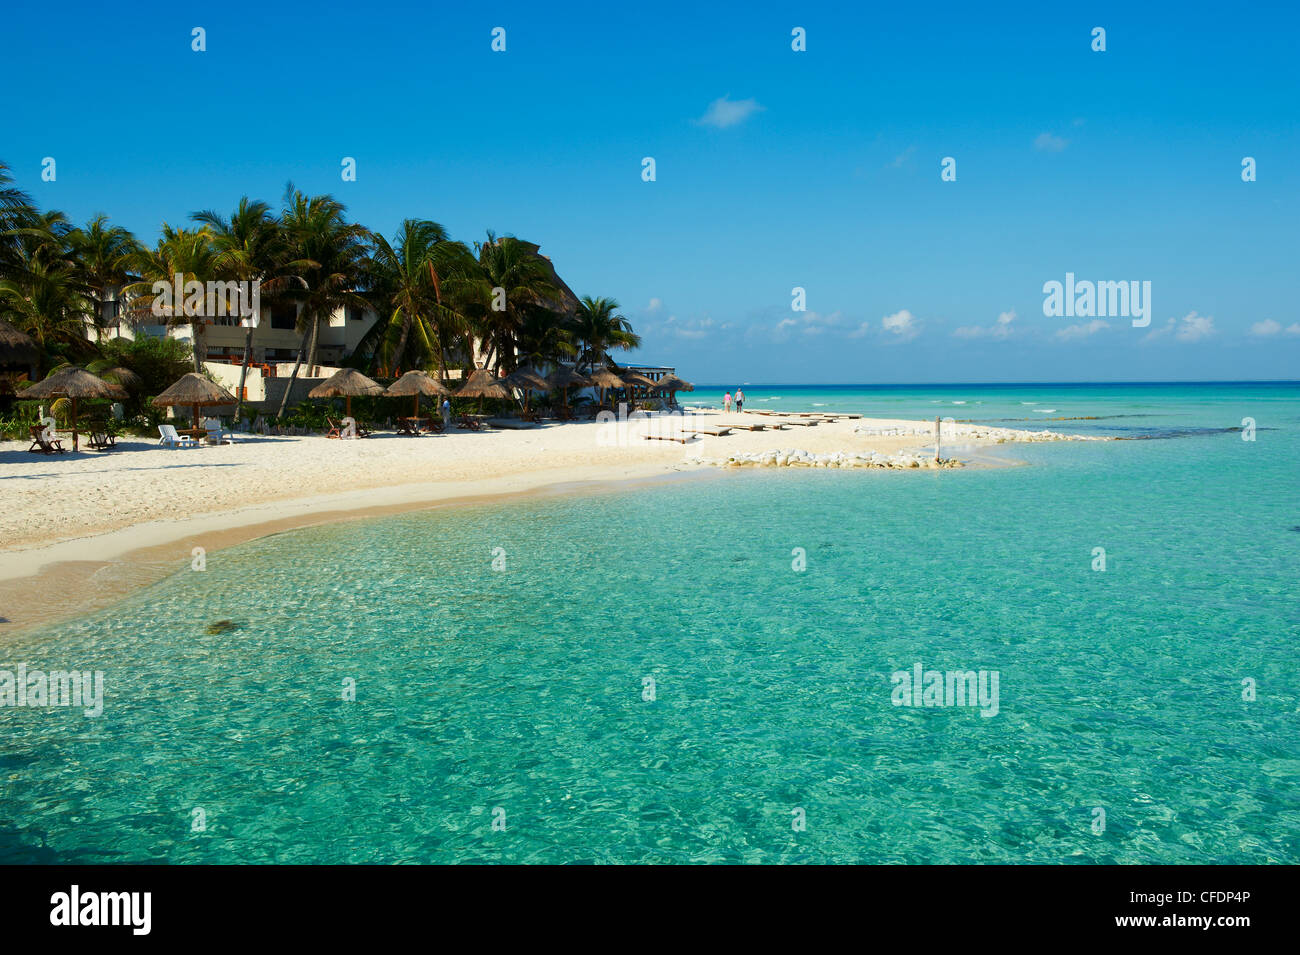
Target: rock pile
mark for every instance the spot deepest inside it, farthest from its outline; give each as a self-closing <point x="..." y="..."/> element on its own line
<point x="796" y="458"/>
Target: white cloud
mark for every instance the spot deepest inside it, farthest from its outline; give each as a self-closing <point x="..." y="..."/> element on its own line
<point x="655" y="305"/>
<point x="1268" y="328"/>
<point x="1073" y="332"/>
<point x="692" y="328"/>
<point x="1194" y="327"/>
<point x="1048" y="143"/>
<point x="999" y="329"/>
<point x="724" y="112"/>
<point x="1190" y="328"/>
<point x="901" y="325"/>
<point x="808" y="323"/>
<point x="901" y="159"/>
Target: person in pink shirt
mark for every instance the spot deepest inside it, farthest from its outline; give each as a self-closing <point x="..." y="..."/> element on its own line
<point x="726" y="402"/>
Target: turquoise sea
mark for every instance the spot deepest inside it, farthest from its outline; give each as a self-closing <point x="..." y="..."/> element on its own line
<point x="519" y="695"/>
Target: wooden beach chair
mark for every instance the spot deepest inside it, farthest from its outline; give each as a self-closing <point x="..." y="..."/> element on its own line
<point x="681" y="439"/>
<point x="41" y="446"/>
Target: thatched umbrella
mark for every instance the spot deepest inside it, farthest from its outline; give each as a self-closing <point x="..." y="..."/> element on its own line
<point x="416" y="383"/>
<point x="633" y="380"/>
<point x="15" y="347"/>
<point x="194" y="392"/>
<point x="345" y="384"/>
<point x="603" y="378"/>
<point x="671" y="384"/>
<point x="565" y="378"/>
<point x="482" y="384"/>
<point x="529" y="380"/>
<point x="74" y="383"/>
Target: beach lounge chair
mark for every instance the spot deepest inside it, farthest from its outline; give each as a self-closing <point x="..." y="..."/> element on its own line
<point x="100" y="438"/>
<point x="217" y="432"/>
<point x="42" y="446"/>
<point x="469" y="424"/>
<point x="682" y="438"/>
<point x="168" y="438"/>
<point x="336" y="430"/>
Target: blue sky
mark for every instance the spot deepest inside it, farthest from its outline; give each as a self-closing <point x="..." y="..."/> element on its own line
<point x="774" y="169"/>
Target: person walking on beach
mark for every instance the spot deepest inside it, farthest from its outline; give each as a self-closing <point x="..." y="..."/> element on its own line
<point x="726" y="402"/>
<point x="446" y="413"/>
<point x="740" y="400"/>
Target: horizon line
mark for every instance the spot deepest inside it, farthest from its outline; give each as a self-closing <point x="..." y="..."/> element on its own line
<point x="932" y="384"/>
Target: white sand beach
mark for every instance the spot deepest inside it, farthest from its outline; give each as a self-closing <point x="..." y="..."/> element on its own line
<point x="92" y="509"/>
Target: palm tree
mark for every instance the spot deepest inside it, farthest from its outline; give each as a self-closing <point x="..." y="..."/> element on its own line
<point x="103" y="255"/>
<point x="511" y="282"/>
<point x="41" y="292"/>
<point x="405" y="282"/>
<point x="599" y="329"/>
<point x="544" y="341"/>
<point x="189" y="254"/>
<point x="332" y="256"/>
<point x="250" y="247"/>
<point x="16" y="212"/>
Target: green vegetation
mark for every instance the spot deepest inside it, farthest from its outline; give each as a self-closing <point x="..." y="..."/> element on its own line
<point x="441" y="303"/>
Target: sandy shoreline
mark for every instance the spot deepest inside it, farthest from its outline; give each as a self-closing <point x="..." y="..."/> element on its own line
<point x="93" y="526"/>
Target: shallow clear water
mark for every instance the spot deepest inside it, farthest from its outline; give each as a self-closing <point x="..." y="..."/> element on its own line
<point x="522" y="688"/>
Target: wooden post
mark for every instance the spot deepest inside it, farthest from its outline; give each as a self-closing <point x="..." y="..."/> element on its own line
<point x="936" y="438"/>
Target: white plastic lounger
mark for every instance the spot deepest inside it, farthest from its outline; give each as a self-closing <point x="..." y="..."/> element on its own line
<point x="217" y="432"/>
<point x="168" y="438"/>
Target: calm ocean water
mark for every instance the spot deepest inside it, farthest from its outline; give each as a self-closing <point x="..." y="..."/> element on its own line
<point x="518" y="694"/>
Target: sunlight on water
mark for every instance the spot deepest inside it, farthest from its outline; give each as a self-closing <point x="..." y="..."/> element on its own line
<point x="522" y="689"/>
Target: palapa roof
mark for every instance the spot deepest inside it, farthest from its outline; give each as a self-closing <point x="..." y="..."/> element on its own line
<point x="568" y="303"/>
<point x="193" y="389"/>
<point x="482" y="384"/>
<point x="565" y="377"/>
<point x="74" y="383"/>
<point x="671" y="382"/>
<point x="528" y="378"/>
<point x="346" y="383"/>
<point x="636" y="379"/>
<point x="416" y="383"/>
<point x="15" y="346"/>
<point x="605" y="378"/>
